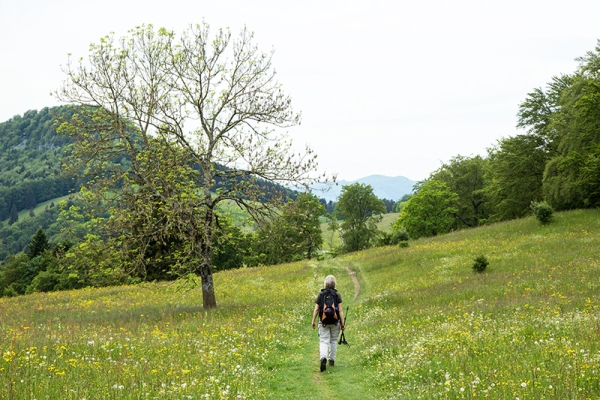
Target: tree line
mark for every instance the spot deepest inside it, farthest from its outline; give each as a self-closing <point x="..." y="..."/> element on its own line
<point x="79" y="249"/>
<point x="555" y="162"/>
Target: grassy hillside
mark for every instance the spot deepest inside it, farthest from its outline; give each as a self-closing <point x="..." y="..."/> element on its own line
<point x="422" y="325"/>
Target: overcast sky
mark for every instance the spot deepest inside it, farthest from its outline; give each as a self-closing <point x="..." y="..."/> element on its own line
<point x="384" y="87"/>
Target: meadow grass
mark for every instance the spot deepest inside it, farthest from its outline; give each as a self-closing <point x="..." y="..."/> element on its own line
<point x="423" y="325"/>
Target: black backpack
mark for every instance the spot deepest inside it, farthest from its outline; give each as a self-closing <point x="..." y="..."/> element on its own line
<point x="328" y="309"/>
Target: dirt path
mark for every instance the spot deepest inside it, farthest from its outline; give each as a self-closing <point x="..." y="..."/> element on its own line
<point x="356" y="282"/>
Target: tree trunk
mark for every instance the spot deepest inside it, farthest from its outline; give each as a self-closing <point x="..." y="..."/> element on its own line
<point x="209" y="300"/>
<point x="206" y="271"/>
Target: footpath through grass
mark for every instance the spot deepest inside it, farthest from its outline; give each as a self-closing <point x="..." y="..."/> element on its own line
<point x="424" y="326"/>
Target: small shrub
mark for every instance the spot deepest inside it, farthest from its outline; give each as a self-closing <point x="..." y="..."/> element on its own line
<point x="400" y="235"/>
<point x="480" y="264"/>
<point x="384" y="239"/>
<point x="396" y="237"/>
<point x="543" y="211"/>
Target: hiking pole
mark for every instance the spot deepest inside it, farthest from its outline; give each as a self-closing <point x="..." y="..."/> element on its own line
<point x="343" y="337"/>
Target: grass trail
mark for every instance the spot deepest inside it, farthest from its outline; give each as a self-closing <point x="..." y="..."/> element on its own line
<point x="346" y="379"/>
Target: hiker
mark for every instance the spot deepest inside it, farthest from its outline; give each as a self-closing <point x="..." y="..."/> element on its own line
<point x="331" y="320"/>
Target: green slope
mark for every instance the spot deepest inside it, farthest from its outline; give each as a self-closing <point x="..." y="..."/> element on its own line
<point x="422" y="325"/>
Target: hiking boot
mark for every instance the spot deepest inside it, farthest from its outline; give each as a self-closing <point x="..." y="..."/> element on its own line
<point x="323" y="364"/>
<point x="331" y="363"/>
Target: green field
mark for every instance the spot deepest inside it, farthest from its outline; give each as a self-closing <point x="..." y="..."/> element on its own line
<point x="422" y="325"/>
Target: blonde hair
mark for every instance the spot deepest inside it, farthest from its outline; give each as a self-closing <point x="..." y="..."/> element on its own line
<point x="330" y="282"/>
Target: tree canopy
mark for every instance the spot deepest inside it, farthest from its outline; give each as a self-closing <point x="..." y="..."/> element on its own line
<point x="566" y="116"/>
<point x="430" y="212"/>
<point x="465" y="176"/>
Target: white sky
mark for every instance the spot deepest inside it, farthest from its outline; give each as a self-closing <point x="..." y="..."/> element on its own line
<point x="385" y="87"/>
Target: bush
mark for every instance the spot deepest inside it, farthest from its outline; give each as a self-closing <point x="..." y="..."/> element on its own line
<point x="542" y="211"/>
<point x="400" y="235"/>
<point x="480" y="264"/>
<point x="396" y="237"/>
<point x="45" y="281"/>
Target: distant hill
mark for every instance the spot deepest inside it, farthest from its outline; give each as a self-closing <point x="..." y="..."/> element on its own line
<point x="384" y="187"/>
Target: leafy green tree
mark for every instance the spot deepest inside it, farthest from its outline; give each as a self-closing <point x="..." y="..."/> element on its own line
<point x="590" y="177"/>
<point x="567" y="116"/>
<point x="295" y="234"/>
<point x="537" y="111"/>
<point x="360" y="211"/>
<point x="514" y="175"/>
<point x="15" y="275"/>
<point x="90" y="263"/>
<point x="210" y="101"/>
<point x="39" y="244"/>
<point x="430" y="212"/>
<point x="465" y="177"/>
<point x="3" y="207"/>
<point x="232" y="247"/>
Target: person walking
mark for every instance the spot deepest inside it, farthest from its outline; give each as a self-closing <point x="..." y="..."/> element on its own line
<point x="328" y="307"/>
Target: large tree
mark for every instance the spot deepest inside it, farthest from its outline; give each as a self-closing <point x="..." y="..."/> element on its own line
<point x="297" y="231"/>
<point x="566" y="116"/>
<point x="465" y="177"/>
<point x="360" y="211"/>
<point x="430" y="212"/>
<point x="514" y="174"/>
<point x="211" y="102"/>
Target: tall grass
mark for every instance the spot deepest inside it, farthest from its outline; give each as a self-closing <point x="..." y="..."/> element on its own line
<point x="151" y="341"/>
<point x="527" y="328"/>
<point x="423" y="326"/>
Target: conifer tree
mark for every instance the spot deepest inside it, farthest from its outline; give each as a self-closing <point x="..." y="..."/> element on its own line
<point x="39" y="244"/>
<point x="13" y="216"/>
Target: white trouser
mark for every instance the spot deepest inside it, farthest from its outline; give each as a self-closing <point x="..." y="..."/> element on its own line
<point x="328" y="338"/>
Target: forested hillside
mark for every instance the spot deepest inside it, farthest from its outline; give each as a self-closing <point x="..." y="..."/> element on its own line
<point x="31" y="152"/>
<point x="30" y="155"/>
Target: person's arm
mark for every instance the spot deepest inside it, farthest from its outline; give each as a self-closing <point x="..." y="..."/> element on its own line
<point x="315" y="313"/>
<point x="341" y="312"/>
